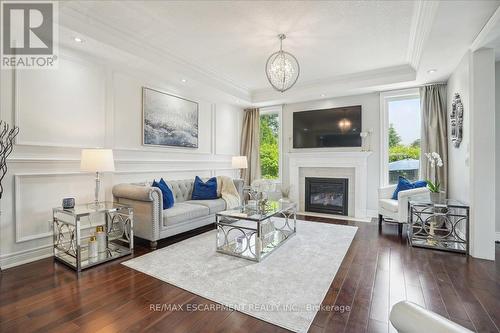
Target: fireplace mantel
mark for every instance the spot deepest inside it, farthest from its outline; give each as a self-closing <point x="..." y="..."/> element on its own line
<point x="340" y="159"/>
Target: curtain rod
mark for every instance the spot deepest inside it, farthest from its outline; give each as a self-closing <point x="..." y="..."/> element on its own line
<point x="432" y="84"/>
<point x="414" y="87"/>
<point x="267" y="106"/>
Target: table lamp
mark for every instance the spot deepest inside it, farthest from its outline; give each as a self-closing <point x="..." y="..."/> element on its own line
<point x="239" y="162"/>
<point x="98" y="161"/>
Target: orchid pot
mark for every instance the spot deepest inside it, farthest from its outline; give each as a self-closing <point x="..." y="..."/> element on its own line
<point x="435" y="162"/>
<point x="437" y="197"/>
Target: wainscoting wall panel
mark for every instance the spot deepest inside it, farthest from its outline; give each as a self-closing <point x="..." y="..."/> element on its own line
<point x="148" y="176"/>
<point x="63" y="107"/>
<point x="88" y="103"/>
<point x="35" y="192"/>
<point x="226" y="172"/>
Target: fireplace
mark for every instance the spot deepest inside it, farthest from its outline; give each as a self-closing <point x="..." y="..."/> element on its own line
<point x="326" y="195"/>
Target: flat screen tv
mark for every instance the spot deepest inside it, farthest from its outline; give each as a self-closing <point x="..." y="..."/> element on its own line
<point x="337" y="127"/>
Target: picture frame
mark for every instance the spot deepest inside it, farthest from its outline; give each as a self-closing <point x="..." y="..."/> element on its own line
<point x="168" y="120"/>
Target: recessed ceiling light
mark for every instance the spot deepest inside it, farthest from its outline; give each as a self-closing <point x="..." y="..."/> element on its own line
<point x="183" y="80"/>
<point x="322" y="95"/>
<point x="78" y="40"/>
<point x="432" y="71"/>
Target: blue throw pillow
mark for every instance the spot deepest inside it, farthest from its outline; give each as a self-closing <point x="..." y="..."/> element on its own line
<point x="420" y="183"/>
<point x="167" y="195"/>
<point x="167" y="192"/>
<point x="204" y="191"/>
<point x="404" y="184"/>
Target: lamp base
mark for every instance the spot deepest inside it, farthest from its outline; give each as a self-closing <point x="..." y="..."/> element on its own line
<point x="97" y="188"/>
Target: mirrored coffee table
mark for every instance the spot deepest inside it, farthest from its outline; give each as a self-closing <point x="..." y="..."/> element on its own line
<point x="251" y="233"/>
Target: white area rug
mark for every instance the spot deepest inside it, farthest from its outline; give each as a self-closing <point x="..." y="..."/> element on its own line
<point x="285" y="289"/>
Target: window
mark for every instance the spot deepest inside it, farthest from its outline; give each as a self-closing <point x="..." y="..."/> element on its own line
<point x="270" y="143"/>
<point x="401" y="139"/>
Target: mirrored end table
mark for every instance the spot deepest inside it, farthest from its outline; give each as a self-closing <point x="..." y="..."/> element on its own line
<point x="440" y="225"/>
<point x="74" y="227"/>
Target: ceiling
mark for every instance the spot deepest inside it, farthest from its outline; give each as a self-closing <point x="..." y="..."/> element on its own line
<point x="343" y="47"/>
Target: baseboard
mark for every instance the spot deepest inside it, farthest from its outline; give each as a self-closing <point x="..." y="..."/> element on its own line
<point x="372" y="213"/>
<point x="25" y="256"/>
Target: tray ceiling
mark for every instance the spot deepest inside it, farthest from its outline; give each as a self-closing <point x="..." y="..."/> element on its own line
<point x="230" y="41"/>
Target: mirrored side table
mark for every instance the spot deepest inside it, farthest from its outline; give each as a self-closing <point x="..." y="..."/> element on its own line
<point x="440" y="225"/>
<point x="74" y="227"/>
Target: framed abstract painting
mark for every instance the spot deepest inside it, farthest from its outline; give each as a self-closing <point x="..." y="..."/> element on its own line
<point x="168" y="120"/>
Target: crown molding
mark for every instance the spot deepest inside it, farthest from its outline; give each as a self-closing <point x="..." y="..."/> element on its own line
<point x="489" y="33"/>
<point x="349" y="84"/>
<point x="424" y="14"/>
<point x="75" y="19"/>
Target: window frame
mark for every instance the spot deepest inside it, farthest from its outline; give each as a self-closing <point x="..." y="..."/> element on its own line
<point x="277" y="109"/>
<point x="385" y="98"/>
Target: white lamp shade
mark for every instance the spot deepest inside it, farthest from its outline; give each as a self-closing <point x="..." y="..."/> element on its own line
<point x="240" y="162"/>
<point x="97" y="160"/>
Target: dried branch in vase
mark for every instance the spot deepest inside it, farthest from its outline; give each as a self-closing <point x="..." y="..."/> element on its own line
<point x="7" y="136"/>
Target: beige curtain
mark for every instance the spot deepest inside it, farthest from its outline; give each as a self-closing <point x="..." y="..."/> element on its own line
<point x="250" y="145"/>
<point x="434" y="131"/>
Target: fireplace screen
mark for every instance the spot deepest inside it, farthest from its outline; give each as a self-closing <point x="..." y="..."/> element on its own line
<point x="326" y="195"/>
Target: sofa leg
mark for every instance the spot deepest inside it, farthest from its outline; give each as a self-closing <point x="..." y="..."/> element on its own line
<point x="153" y="245"/>
<point x="400" y="229"/>
<point x="380" y="220"/>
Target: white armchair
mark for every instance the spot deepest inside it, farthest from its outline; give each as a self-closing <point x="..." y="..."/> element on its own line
<point x="407" y="317"/>
<point x="396" y="211"/>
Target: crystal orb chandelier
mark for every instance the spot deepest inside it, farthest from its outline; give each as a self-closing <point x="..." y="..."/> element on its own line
<point x="282" y="68"/>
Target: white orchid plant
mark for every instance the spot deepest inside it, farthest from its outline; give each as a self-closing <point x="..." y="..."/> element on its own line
<point x="435" y="162"/>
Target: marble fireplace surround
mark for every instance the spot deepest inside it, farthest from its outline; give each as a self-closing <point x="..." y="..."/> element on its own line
<point x="346" y="173"/>
<point x="350" y="165"/>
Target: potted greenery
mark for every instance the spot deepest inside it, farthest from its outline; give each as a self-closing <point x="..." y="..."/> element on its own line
<point x="434" y="186"/>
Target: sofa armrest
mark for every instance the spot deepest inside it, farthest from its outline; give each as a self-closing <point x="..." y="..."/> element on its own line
<point x="404" y="197"/>
<point x="386" y="192"/>
<point x="239" y="183"/>
<point x="412" y="192"/>
<point x="135" y="192"/>
<point x="147" y="204"/>
<point x="411" y="318"/>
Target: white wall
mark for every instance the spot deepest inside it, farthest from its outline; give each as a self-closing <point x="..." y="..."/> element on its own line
<point x="472" y="171"/>
<point x="497" y="148"/>
<point x="483" y="154"/>
<point x="458" y="158"/>
<point x="89" y="102"/>
<point x="370" y="105"/>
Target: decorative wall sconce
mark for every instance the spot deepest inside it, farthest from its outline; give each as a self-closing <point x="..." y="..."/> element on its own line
<point x="366" y="140"/>
<point x="456" y="120"/>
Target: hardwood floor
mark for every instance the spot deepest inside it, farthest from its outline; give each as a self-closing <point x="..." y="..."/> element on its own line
<point x="378" y="271"/>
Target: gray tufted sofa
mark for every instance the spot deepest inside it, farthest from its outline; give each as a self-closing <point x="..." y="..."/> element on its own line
<point x="151" y="222"/>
